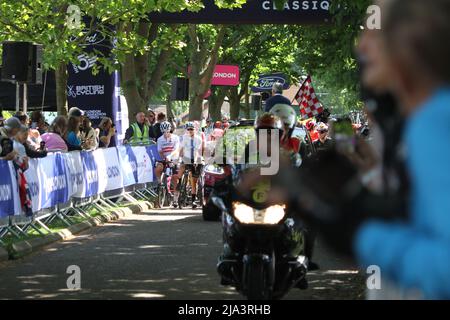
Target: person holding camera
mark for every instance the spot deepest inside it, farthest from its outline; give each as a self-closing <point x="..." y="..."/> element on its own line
<point x="7" y="133"/>
<point x="106" y="132"/>
<point x="88" y="135"/>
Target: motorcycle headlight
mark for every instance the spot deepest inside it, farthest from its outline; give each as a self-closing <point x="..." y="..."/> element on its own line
<point x="248" y="215"/>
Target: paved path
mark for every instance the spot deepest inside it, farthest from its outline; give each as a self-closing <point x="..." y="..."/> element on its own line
<point x="156" y="255"/>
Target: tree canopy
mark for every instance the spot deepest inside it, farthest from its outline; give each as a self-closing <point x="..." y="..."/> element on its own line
<point x="150" y="54"/>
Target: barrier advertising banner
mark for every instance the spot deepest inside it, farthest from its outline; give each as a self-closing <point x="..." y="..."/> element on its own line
<point x="109" y="170"/>
<point x="32" y="176"/>
<point x="58" y="177"/>
<point x="6" y="190"/>
<point x="53" y="181"/>
<point x="90" y="173"/>
<point x="144" y="167"/>
<point x="75" y="171"/>
<point x="126" y="158"/>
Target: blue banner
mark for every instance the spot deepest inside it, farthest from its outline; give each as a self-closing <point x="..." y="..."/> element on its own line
<point x="90" y="174"/>
<point x="154" y="155"/>
<point x="126" y="157"/>
<point x="98" y="95"/>
<point x="54" y="186"/>
<point x="6" y="190"/>
<point x="133" y="162"/>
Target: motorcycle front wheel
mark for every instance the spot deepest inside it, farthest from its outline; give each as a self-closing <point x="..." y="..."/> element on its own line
<point x="256" y="278"/>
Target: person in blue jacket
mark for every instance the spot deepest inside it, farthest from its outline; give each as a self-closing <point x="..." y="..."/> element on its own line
<point x="409" y="57"/>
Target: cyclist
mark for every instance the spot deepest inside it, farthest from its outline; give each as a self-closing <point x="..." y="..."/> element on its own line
<point x="191" y="152"/>
<point x="168" y="147"/>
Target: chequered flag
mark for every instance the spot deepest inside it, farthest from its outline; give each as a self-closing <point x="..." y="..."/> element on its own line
<point x="310" y="105"/>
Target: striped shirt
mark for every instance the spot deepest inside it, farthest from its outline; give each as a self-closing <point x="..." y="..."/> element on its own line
<point x="169" y="147"/>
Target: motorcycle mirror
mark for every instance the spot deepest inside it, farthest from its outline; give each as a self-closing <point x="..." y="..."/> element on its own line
<point x="218" y="202"/>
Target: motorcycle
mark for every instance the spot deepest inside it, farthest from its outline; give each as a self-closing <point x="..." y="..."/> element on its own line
<point x="263" y="246"/>
<point x="213" y="175"/>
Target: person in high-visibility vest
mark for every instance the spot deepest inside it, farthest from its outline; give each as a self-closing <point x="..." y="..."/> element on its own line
<point x="139" y="132"/>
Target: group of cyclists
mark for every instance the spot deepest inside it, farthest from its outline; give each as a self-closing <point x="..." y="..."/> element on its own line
<point x="186" y="148"/>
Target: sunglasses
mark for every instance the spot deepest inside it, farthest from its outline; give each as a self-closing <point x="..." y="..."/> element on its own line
<point x="323" y="131"/>
<point x="190" y="129"/>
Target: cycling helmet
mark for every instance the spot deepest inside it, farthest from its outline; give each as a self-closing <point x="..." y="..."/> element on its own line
<point x="166" y="126"/>
<point x="189" y="125"/>
<point x="268" y="121"/>
<point x="286" y="114"/>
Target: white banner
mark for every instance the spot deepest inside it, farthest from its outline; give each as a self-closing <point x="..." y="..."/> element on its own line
<point x="109" y="170"/>
<point x="32" y="176"/>
<point x="77" y="186"/>
<point x="126" y="158"/>
<point x="144" y="165"/>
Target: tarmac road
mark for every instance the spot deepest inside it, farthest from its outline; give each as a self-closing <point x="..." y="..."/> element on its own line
<point x="162" y="254"/>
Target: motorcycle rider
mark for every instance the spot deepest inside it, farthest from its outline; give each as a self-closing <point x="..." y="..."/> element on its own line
<point x="271" y="124"/>
<point x="191" y="152"/>
<point x="292" y="145"/>
<point x="168" y="146"/>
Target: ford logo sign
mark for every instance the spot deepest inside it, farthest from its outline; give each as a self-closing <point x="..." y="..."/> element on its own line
<point x="92" y="39"/>
<point x="265" y="82"/>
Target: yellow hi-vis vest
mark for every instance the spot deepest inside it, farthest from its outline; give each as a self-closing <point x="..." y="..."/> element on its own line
<point x="140" y="137"/>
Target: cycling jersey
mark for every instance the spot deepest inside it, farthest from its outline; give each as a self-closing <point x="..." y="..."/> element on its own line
<point x="192" y="149"/>
<point x="169" y="147"/>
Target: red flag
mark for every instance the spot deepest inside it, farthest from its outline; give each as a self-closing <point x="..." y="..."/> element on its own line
<point x="310" y="105"/>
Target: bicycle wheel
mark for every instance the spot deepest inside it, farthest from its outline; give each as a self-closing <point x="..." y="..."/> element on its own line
<point x="162" y="193"/>
<point x="182" y="199"/>
<point x="200" y="190"/>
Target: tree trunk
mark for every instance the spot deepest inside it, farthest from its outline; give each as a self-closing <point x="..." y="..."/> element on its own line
<point x="137" y="87"/>
<point x="235" y="103"/>
<point x="130" y="88"/>
<point x="169" y="109"/>
<point x="216" y="101"/>
<point x="247" y="106"/>
<point x="202" y="69"/>
<point x="61" y="88"/>
<point x="158" y="72"/>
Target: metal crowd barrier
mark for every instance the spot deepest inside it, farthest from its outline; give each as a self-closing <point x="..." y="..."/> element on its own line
<point x="19" y="226"/>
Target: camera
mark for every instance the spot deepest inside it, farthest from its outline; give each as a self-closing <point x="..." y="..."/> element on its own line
<point x="6" y="146"/>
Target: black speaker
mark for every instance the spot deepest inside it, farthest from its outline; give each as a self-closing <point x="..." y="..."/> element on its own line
<point x="22" y="62"/>
<point x="180" y="89"/>
<point x="256" y="102"/>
